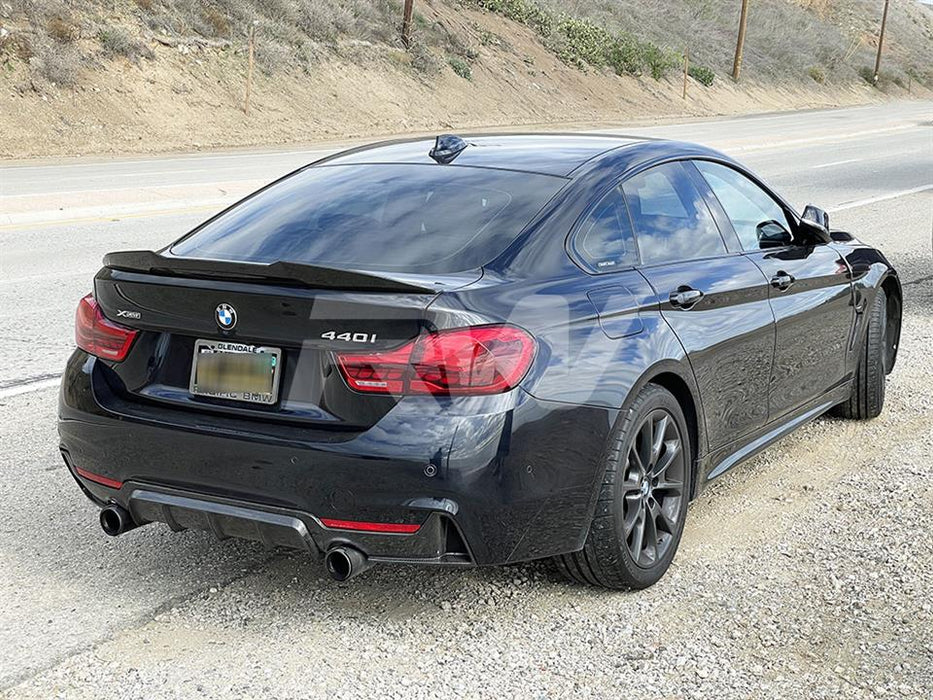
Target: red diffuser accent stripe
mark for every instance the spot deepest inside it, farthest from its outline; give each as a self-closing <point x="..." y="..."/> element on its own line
<point x="398" y="528"/>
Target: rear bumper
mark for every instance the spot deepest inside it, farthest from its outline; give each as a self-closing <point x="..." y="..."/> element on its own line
<point x="436" y="541"/>
<point x="488" y="480"/>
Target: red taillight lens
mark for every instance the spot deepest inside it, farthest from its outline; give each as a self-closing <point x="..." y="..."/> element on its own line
<point x="462" y="361"/>
<point x="96" y="334"/>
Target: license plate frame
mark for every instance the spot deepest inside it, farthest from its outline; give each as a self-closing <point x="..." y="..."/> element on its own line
<point x="206" y="347"/>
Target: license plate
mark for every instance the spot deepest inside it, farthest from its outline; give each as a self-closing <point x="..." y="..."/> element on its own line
<point x="235" y="371"/>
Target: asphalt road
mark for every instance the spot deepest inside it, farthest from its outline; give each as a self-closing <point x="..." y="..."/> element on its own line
<point x="177" y="615"/>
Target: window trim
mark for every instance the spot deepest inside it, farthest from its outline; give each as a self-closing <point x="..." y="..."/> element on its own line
<point x="792" y="217"/>
<point x="571" y="249"/>
<point x="574" y="250"/>
<point x="729" y="234"/>
<point x="688" y="168"/>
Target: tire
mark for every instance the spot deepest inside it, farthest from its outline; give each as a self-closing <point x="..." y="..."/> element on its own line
<point x="867" y="397"/>
<point x="626" y="504"/>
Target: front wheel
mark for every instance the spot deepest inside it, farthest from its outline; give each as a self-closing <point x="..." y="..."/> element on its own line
<point x="867" y="397"/>
<point x="642" y="503"/>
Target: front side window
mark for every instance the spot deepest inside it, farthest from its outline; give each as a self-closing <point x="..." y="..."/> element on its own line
<point x="605" y="241"/>
<point x="672" y="221"/>
<point x="748" y="206"/>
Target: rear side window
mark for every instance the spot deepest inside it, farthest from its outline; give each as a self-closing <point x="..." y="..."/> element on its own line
<point x="745" y="203"/>
<point x="605" y="241"/>
<point x="672" y="221"/>
<point x="411" y="218"/>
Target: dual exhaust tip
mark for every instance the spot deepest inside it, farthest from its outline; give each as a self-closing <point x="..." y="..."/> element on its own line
<point x="341" y="562"/>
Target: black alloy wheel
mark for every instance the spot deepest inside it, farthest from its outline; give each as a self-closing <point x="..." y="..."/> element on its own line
<point x="653" y="488"/>
<point x="642" y="505"/>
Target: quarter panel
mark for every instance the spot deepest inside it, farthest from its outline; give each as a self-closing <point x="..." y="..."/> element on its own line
<point x="577" y="362"/>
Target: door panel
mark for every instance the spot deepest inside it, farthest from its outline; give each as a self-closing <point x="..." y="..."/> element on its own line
<point x="728" y="334"/>
<point x="812" y="302"/>
<point x="809" y="290"/>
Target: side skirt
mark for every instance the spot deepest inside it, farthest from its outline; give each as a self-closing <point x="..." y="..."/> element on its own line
<point x="722" y="460"/>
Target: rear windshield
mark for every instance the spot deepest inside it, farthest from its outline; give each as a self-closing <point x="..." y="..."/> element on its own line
<point x="412" y="218"/>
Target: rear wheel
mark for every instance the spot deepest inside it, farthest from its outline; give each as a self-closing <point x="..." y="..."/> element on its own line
<point x="867" y="397"/>
<point x="642" y="504"/>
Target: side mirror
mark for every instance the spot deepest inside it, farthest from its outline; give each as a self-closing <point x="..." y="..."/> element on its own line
<point x="772" y="234"/>
<point x="814" y="224"/>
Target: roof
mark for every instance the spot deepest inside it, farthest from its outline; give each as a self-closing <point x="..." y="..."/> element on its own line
<point x="551" y="154"/>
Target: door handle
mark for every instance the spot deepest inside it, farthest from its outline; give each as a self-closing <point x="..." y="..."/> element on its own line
<point x="782" y="280"/>
<point x="685" y="297"/>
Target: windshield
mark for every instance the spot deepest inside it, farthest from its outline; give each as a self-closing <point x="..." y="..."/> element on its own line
<point x="410" y="218"/>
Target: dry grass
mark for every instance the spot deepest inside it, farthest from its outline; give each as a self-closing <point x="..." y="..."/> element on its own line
<point x="788" y="40"/>
<point x="59" y="65"/>
<point x="116" y="41"/>
<point x="784" y="39"/>
<point x="63" y="30"/>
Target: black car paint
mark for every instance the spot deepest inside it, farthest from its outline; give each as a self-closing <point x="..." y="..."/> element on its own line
<point x="517" y="474"/>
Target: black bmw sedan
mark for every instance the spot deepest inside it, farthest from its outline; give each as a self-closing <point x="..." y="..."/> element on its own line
<point x="471" y="351"/>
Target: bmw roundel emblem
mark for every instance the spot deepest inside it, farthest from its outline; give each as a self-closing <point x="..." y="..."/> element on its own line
<point x="225" y="315"/>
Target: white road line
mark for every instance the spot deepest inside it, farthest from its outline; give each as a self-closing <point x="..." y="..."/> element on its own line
<point x="836" y="162"/>
<point x="829" y="138"/>
<point x="180" y="159"/>
<point x="879" y="198"/>
<point x="45" y="220"/>
<point x="219" y="185"/>
<point x="38" y="385"/>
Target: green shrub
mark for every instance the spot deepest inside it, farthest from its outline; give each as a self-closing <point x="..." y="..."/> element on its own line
<point x="817" y="73"/>
<point x="585" y="41"/>
<point x="919" y="76"/>
<point x="487" y="38"/>
<point x="885" y="78"/>
<point x="658" y="61"/>
<point x="460" y="67"/>
<point x="526" y="12"/>
<point x="582" y="42"/>
<point x="702" y="75"/>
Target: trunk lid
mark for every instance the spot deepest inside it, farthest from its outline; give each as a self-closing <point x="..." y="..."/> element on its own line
<point x="306" y="312"/>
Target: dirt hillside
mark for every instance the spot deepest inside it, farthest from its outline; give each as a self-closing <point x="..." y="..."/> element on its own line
<point x="136" y="86"/>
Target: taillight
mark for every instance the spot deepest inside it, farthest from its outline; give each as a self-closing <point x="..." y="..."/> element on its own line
<point x="462" y="361"/>
<point x="98" y="335"/>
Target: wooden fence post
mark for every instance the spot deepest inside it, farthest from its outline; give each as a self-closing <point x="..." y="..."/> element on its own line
<point x="740" y="42"/>
<point x="686" y="68"/>
<point x="249" y="69"/>
<point x="406" y="23"/>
